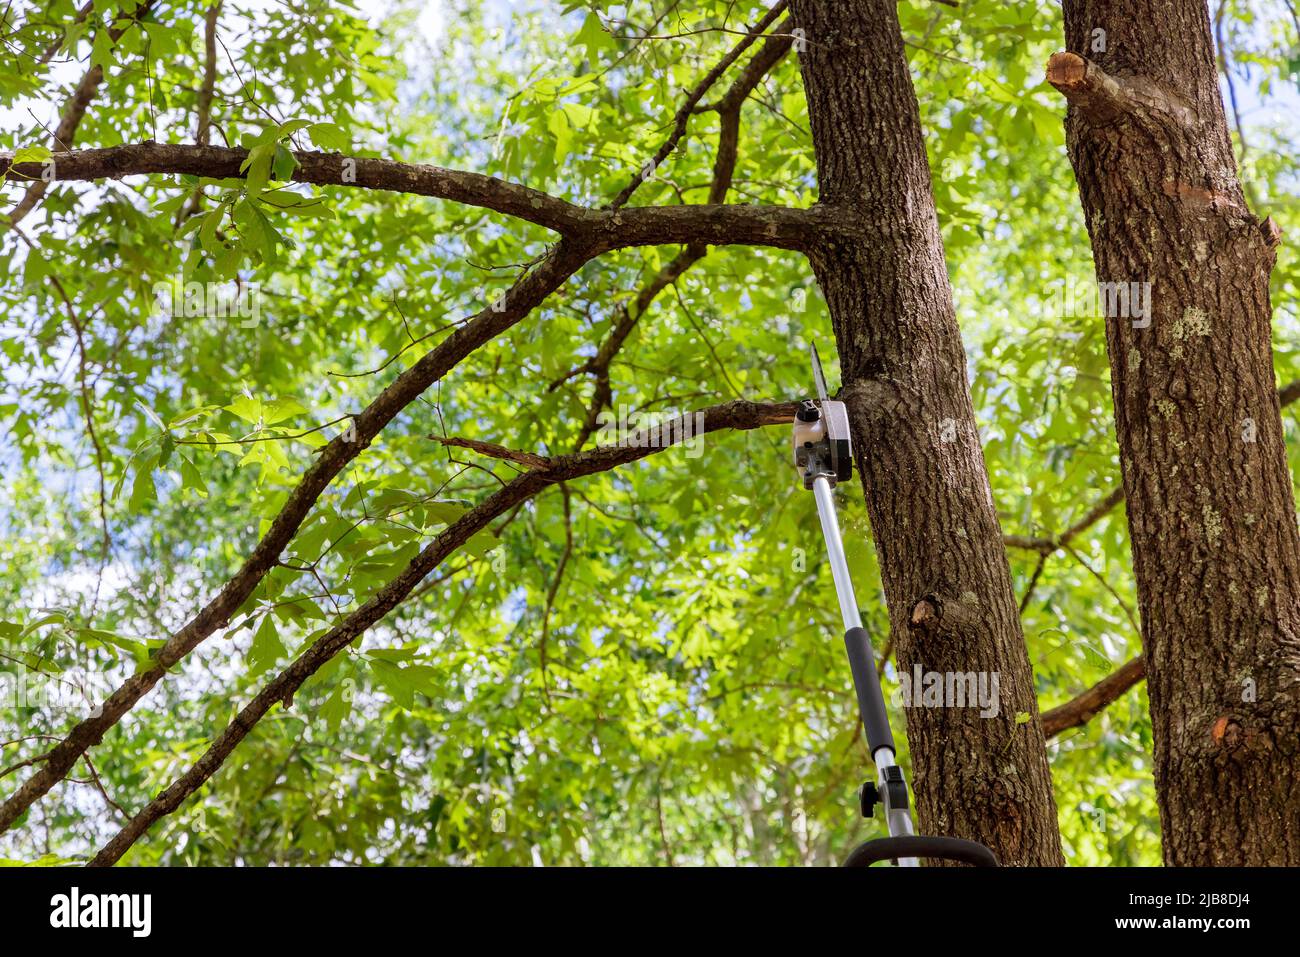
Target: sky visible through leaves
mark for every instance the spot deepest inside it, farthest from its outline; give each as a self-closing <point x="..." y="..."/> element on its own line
<point x="642" y="666"/>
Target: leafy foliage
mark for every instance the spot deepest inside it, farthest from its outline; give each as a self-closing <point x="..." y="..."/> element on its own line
<point x="636" y="667"/>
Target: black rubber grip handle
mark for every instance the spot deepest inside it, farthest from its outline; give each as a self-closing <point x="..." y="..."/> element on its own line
<point x="941" y="848"/>
<point x="871" y="701"/>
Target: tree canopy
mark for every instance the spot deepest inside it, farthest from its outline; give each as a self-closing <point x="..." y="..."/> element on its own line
<point x="615" y="655"/>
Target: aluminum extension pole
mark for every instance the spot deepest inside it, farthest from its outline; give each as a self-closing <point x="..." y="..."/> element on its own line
<point x="871" y="701"/>
<point x="835" y="548"/>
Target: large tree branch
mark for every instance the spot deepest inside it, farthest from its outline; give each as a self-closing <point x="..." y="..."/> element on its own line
<point x="528" y="292"/>
<point x="731" y="415"/>
<point x="779" y="226"/>
<point x="1288" y="393"/>
<point x="1080" y="710"/>
<point x="1102" y="99"/>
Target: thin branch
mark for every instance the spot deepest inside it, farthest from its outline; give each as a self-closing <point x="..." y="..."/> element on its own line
<point x="1108" y="587"/>
<point x="659" y="813"/>
<point x="724" y="167"/>
<point x="883" y="661"/>
<point x="1045" y="545"/>
<point x="1033" y="582"/>
<point x="24" y="764"/>
<point x="554" y="590"/>
<point x="1295" y="17"/>
<point x="103" y="792"/>
<point x="1083" y="708"/>
<point x="494" y="451"/>
<point x="1048" y="544"/>
<point x="35" y="759"/>
<point x="203" y="107"/>
<point x="253" y="440"/>
<point x="692" y="100"/>
<point x="731" y="415"/>
<point x="598" y="365"/>
<point x="88" y="410"/>
<point x="729" y="109"/>
<point x="57" y="45"/>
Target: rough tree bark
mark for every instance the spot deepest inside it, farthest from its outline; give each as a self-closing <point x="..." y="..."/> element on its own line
<point x="1210" y="506"/>
<point x="918" y="450"/>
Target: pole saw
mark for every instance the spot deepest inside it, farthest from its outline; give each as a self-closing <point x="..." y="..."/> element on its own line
<point x="824" y="456"/>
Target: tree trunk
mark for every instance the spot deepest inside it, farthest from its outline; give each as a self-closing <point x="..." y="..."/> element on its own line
<point x="1210" y="507"/>
<point x="918" y="451"/>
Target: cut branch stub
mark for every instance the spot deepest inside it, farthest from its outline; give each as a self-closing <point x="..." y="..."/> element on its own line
<point x="1102" y="99"/>
<point x="932" y="614"/>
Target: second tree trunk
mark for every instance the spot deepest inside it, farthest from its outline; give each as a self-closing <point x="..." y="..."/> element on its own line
<point x="1210" y="508"/>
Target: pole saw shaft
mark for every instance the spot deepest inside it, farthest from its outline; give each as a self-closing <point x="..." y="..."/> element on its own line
<point x="862" y="663"/>
<point x="823" y="455"/>
<point x="835" y="548"/>
<point x="862" y="659"/>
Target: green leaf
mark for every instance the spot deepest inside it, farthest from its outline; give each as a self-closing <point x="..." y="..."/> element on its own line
<point x="329" y="136"/>
<point x="143" y="490"/>
<point x="391" y="679"/>
<point x="153" y="416"/>
<point x="258" y="166"/>
<point x="267" y="136"/>
<point x="138" y="650"/>
<point x="101" y="50"/>
<point x="31" y="154"/>
<point x="337" y="707"/>
<point x="271" y="238"/>
<point x="208" y="231"/>
<point x="266" y="649"/>
<point x="285" y="163"/>
<point x="593" y="36"/>
<point x="191" y="478"/>
<point x="405" y="682"/>
<point x="284" y="201"/>
<point x="443" y="513"/>
<point x="481" y="543"/>
<point x="55" y="618"/>
<point x="165" y="453"/>
<point x="247" y="407"/>
<point x="559" y="127"/>
<point x="280" y="409"/>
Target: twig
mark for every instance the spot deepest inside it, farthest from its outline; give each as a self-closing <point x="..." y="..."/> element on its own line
<point x="492" y="450"/>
